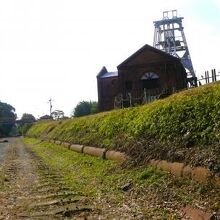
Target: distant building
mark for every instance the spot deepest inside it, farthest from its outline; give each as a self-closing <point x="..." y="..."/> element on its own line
<point x="146" y="75"/>
<point x="46" y="117"/>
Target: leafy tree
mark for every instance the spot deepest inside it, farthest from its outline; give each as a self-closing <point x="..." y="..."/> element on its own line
<point x="25" y="123"/>
<point x="27" y="118"/>
<point x="7" y="118"/>
<point x="94" y="107"/>
<point x="57" y="114"/>
<point x="85" y="108"/>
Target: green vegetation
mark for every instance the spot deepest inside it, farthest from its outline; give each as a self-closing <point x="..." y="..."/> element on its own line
<point x="184" y="120"/>
<point x="107" y="182"/>
<point x="4" y="179"/>
<point x="26" y="122"/>
<point x="83" y="173"/>
<point x="42" y="128"/>
<point x="7" y="118"/>
<point x="57" y="114"/>
<point x="150" y="176"/>
<point x="85" y="108"/>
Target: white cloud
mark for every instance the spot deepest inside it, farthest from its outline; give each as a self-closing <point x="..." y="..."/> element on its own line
<point x="52" y="48"/>
<point x="217" y="2"/>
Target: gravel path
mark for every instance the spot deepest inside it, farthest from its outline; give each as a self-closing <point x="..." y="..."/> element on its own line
<point x="3" y="148"/>
<point x="34" y="191"/>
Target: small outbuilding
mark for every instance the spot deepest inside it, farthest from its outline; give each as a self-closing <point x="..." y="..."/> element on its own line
<point x="146" y="75"/>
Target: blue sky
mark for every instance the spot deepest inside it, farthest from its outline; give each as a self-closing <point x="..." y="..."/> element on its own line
<point x="206" y="11"/>
<point x="55" y="48"/>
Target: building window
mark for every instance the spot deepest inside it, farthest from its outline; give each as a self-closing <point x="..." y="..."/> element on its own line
<point x="150" y="81"/>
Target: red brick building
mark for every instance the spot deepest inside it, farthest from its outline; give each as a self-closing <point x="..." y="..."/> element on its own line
<point x="146" y="75"/>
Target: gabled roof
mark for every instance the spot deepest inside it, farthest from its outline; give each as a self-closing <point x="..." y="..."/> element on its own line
<point x="105" y="74"/>
<point x="102" y="71"/>
<point x="109" y="74"/>
<point x="147" y="54"/>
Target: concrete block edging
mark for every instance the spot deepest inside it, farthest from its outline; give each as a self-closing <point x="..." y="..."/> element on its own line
<point x="199" y="174"/>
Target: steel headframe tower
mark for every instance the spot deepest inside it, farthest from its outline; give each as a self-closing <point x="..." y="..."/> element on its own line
<point x="169" y="37"/>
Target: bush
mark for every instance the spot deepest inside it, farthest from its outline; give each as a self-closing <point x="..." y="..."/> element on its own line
<point x="85" y="108"/>
<point x="7" y="118"/>
<point x="26" y="122"/>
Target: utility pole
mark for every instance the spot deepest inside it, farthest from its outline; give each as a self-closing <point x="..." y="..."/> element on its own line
<point x="50" y="102"/>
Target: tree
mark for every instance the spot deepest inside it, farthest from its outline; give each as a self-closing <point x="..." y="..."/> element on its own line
<point x="57" y="114"/>
<point x="27" y="118"/>
<point x="7" y="118"/>
<point x="85" y="108"/>
<point x="94" y="107"/>
<point x="25" y="123"/>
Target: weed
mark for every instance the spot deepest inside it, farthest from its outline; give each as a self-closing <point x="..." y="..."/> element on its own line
<point x="151" y="176"/>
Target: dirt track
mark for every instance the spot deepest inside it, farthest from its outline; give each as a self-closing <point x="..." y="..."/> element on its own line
<point x="3" y="148"/>
<point x="33" y="191"/>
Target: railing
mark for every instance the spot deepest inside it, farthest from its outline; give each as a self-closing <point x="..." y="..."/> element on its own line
<point x="209" y="78"/>
<point x="147" y="97"/>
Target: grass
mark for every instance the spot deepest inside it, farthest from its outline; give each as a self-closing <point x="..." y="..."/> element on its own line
<point x="3" y="180"/>
<point x="83" y="172"/>
<point x="149" y="176"/>
<point x="104" y="179"/>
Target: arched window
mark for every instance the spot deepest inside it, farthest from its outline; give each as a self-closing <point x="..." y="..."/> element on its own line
<point x="150" y="80"/>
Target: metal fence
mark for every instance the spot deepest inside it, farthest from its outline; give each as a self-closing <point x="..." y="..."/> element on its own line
<point x="146" y="97"/>
<point x="209" y="77"/>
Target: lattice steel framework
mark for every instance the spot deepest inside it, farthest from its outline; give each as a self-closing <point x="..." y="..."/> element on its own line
<point x="169" y="37"/>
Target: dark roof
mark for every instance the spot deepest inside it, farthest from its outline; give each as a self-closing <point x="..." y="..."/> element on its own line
<point x="149" y="55"/>
<point x="109" y="74"/>
<point x="103" y="73"/>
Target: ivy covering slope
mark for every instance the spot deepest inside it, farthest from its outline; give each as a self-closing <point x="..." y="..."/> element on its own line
<point x="183" y="121"/>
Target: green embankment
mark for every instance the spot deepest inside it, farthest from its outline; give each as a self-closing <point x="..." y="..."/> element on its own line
<point x="182" y="127"/>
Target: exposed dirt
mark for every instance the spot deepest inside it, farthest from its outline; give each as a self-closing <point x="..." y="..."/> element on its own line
<point x="3" y="148"/>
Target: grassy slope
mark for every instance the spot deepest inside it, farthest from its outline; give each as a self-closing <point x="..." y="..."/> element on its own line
<point x="174" y="128"/>
<point x="153" y="193"/>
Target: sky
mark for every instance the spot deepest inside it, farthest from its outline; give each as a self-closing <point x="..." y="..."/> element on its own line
<point x="55" y="48"/>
